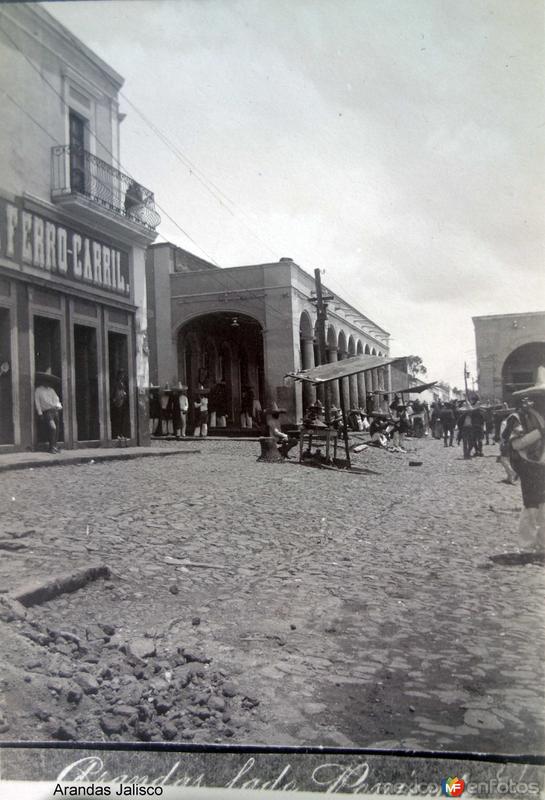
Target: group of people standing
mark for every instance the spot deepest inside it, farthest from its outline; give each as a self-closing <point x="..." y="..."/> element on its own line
<point x="520" y="433"/>
<point x="473" y="421"/>
<point x="178" y="409"/>
<point x="171" y="406"/>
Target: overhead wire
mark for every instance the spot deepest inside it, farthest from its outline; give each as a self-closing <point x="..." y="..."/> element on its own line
<point x="102" y="144"/>
<point x="214" y="274"/>
<point x="194" y="170"/>
<point x="198" y="174"/>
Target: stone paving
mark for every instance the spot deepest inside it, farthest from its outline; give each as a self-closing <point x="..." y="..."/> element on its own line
<point x="275" y="603"/>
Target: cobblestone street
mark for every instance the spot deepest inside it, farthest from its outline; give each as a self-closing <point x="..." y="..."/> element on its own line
<point x="275" y="603"/>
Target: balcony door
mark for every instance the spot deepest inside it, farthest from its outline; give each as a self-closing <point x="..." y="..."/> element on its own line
<point x="77" y="152"/>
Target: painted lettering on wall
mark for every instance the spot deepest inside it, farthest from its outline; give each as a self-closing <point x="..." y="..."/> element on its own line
<point x="30" y="239"/>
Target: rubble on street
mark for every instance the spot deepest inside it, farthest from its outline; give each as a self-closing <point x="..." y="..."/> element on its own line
<point x="272" y="603"/>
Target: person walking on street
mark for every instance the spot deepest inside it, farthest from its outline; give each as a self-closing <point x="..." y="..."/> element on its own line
<point x="48" y="406"/>
<point x="488" y="423"/>
<point x="477" y="421"/>
<point x="201" y="407"/>
<point x="179" y="406"/>
<point x="528" y="459"/>
<point x="506" y="430"/>
<point x="465" y="429"/>
<point x="448" y="422"/>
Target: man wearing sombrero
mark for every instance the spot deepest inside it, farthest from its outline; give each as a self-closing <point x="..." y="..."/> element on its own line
<point x="48" y="405"/>
<point x="527" y="444"/>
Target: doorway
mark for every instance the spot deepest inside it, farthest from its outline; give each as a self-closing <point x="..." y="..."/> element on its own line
<point x="48" y="359"/>
<point x="118" y="366"/>
<point x="6" y="396"/>
<point x="86" y="374"/>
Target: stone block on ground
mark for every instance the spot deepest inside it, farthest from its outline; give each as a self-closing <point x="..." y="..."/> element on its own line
<point x="142" y="648"/>
<point x="41" y="591"/>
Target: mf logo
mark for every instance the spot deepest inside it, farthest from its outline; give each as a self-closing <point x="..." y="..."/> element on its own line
<point x="452" y="787"/>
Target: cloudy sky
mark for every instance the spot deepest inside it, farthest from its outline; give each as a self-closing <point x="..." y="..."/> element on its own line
<point x="396" y="144"/>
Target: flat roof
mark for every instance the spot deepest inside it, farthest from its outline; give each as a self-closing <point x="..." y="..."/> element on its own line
<point x="511" y="315"/>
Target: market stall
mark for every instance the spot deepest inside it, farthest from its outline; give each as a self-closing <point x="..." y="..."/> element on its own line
<point x="325" y="374"/>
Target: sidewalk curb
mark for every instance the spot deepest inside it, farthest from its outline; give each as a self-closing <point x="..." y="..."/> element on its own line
<point x="96" y="458"/>
<point x="206" y="439"/>
<point x="40" y="591"/>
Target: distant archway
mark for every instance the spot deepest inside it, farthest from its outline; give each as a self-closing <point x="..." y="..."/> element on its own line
<point x="367" y="350"/>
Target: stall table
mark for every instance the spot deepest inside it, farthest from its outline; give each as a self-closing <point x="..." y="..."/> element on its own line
<point x="329" y="436"/>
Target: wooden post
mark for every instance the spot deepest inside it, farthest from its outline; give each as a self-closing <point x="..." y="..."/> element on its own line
<point x="269" y="449"/>
<point x="321" y="310"/>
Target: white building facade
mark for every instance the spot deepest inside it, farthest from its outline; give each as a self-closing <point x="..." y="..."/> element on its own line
<point x="73" y="234"/>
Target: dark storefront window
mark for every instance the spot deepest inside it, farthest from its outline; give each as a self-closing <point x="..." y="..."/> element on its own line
<point x="118" y="363"/>
<point x="86" y="372"/>
<point x="6" y="399"/>
<point x="48" y="359"/>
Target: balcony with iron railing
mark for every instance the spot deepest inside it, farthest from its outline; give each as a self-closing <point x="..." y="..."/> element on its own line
<point x="77" y="174"/>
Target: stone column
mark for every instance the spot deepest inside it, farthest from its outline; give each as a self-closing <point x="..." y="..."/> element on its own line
<point x="362" y="390"/>
<point x="388" y="371"/>
<point x="331" y="357"/>
<point x="307" y="357"/>
<point x="381" y="386"/>
<point x="353" y="382"/>
<point x="374" y="386"/>
<point x="345" y="385"/>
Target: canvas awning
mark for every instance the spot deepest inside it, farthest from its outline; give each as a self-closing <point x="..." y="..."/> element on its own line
<point x="416" y="389"/>
<point x="340" y="369"/>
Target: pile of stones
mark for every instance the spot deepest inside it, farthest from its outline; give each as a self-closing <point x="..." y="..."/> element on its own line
<point x="100" y="686"/>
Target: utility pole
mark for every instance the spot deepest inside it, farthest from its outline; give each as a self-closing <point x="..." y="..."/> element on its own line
<point x="321" y="310"/>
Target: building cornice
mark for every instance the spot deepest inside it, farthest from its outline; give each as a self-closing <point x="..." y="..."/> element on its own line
<point x="509" y="316"/>
<point x="74" y="45"/>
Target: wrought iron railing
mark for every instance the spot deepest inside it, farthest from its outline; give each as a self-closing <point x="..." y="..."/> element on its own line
<point x="76" y="171"/>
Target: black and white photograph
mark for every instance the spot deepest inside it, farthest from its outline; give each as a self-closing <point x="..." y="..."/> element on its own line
<point x="272" y="386"/>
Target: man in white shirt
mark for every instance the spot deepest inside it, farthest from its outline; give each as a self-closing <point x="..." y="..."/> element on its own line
<point x="48" y="406"/>
<point x="201" y="409"/>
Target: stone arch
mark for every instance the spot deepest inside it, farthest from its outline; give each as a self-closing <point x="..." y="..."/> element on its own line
<point x="359" y="348"/>
<point x="367" y="350"/>
<point x="351" y="346"/>
<point x="222" y="346"/>
<point x="519" y="369"/>
<point x="331" y="338"/>
<point x="342" y="345"/>
<point x="305" y="326"/>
